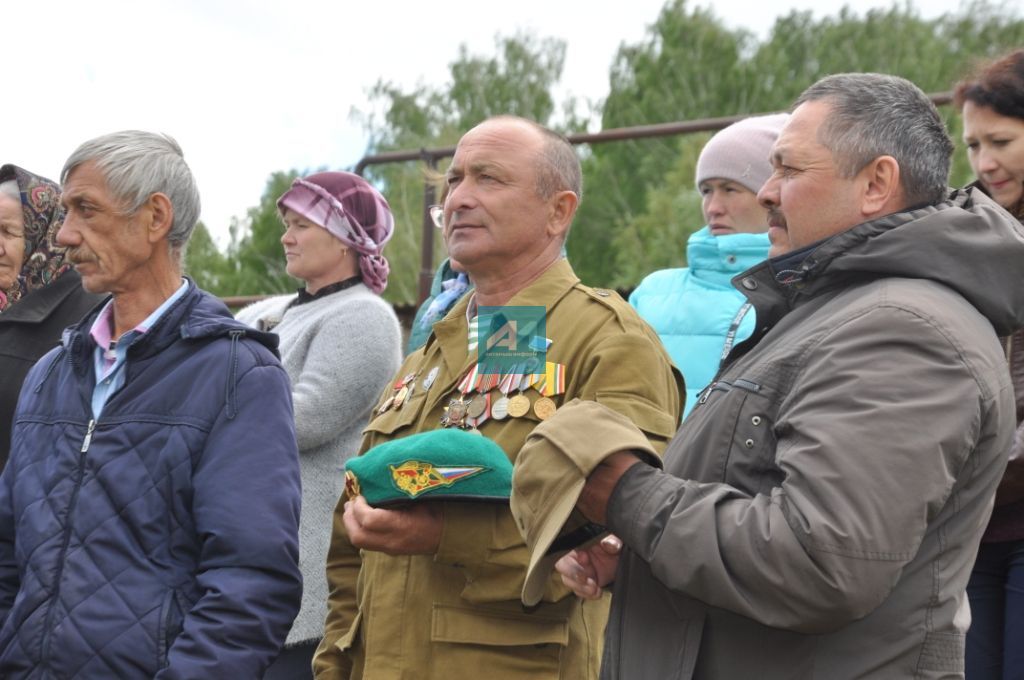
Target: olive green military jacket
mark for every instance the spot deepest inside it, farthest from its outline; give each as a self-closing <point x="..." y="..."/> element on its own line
<point x="457" y="614"/>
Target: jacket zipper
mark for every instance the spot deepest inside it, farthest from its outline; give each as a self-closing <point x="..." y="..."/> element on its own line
<point x="45" y="646"/>
<point x="725" y="386"/>
<point x="722" y="385"/>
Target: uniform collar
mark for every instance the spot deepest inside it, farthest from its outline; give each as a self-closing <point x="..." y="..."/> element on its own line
<point x="545" y="291"/>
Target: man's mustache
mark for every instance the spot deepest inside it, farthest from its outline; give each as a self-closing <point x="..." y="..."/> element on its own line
<point x="776" y="218"/>
<point x="78" y="256"/>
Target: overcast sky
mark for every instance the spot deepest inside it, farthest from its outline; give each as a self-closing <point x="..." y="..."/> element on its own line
<point x="248" y="88"/>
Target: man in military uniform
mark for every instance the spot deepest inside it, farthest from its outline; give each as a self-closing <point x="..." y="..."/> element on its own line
<point x="432" y="590"/>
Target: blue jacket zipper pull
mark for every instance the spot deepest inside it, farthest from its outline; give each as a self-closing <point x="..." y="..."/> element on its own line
<point x="88" y="436"/>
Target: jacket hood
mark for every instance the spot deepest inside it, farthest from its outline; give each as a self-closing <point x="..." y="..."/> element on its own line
<point x="968" y="243"/>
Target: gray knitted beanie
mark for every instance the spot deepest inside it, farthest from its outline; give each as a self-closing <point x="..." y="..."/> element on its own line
<point x="740" y="151"/>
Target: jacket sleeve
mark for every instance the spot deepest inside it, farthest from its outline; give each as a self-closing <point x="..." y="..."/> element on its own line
<point x="352" y="356"/>
<point x="246" y="496"/>
<point x="871" y="439"/>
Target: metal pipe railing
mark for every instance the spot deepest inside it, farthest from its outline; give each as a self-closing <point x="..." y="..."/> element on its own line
<point x="432" y="156"/>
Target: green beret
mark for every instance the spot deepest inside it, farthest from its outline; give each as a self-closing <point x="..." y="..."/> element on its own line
<point x="450" y="465"/>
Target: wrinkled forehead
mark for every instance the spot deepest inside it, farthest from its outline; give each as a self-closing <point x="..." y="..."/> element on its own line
<point x="11" y="210"/>
<point x="86" y="181"/>
<point x="801" y="135"/>
<point x="493" y="141"/>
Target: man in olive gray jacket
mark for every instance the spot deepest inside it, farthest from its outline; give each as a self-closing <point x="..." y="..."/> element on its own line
<point x="822" y="505"/>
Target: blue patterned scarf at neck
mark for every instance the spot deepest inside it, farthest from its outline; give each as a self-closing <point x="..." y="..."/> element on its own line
<point x="439" y="306"/>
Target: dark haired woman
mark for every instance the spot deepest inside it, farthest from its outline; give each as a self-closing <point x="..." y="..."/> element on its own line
<point x="992" y="103"/>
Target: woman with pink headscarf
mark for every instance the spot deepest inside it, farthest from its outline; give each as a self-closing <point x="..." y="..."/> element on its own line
<point x="340" y="345"/>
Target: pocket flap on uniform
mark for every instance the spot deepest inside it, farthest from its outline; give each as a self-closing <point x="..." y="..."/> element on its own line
<point x="392" y="420"/>
<point x="473" y="626"/>
<point x="344" y="643"/>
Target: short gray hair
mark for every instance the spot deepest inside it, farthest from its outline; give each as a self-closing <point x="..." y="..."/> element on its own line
<point x="881" y="115"/>
<point x="10" y="189"/>
<point x="562" y="170"/>
<point x="138" y="164"/>
<point x="558" y="168"/>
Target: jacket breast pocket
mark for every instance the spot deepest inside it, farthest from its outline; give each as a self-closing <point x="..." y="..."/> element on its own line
<point x="394" y="420"/>
<point x="733" y="426"/>
<point x="506" y="644"/>
<point x="751" y="462"/>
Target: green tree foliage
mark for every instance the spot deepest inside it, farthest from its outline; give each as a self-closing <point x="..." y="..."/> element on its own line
<point x="254" y="261"/>
<point x="642" y="204"/>
<point x="255" y="255"/>
<point x="204" y="262"/>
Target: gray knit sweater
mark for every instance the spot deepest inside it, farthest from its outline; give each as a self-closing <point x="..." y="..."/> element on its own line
<point x="339" y="351"/>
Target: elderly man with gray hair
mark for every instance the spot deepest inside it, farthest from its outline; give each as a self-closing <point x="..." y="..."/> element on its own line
<point x="821" y="507"/>
<point x="149" y="510"/>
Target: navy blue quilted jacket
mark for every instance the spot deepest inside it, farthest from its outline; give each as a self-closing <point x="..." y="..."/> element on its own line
<point x="159" y="541"/>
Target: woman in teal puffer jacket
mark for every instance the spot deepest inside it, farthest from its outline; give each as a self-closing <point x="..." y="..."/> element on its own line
<point x="695" y="310"/>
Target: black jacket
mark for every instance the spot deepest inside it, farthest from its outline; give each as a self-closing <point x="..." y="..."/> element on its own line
<point x="28" y="330"/>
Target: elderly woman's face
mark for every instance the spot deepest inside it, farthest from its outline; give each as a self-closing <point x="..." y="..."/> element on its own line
<point x="12" y="241"/>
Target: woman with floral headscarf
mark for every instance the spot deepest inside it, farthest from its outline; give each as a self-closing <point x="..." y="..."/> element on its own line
<point x="40" y="293"/>
<point x="340" y="345"/>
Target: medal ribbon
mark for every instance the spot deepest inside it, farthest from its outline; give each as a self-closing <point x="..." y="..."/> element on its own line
<point x="507" y="381"/>
<point x="470" y="381"/>
<point x="554" y="379"/>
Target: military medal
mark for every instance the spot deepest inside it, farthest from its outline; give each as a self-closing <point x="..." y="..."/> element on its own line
<point x="458" y="408"/>
<point x="499" y="409"/>
<point x="431" y="377"/>
<point x="549" y="384"/>
<point x="351" y="484"/>
<point x="477" y="406"/>
<point x="455" y="412"/>
<point x="544" y="408"/>
<point x="400" y="396"/>
<point x="519" y="406"/>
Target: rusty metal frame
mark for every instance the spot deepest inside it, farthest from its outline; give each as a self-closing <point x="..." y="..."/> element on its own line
<point x="432" y="156"/>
